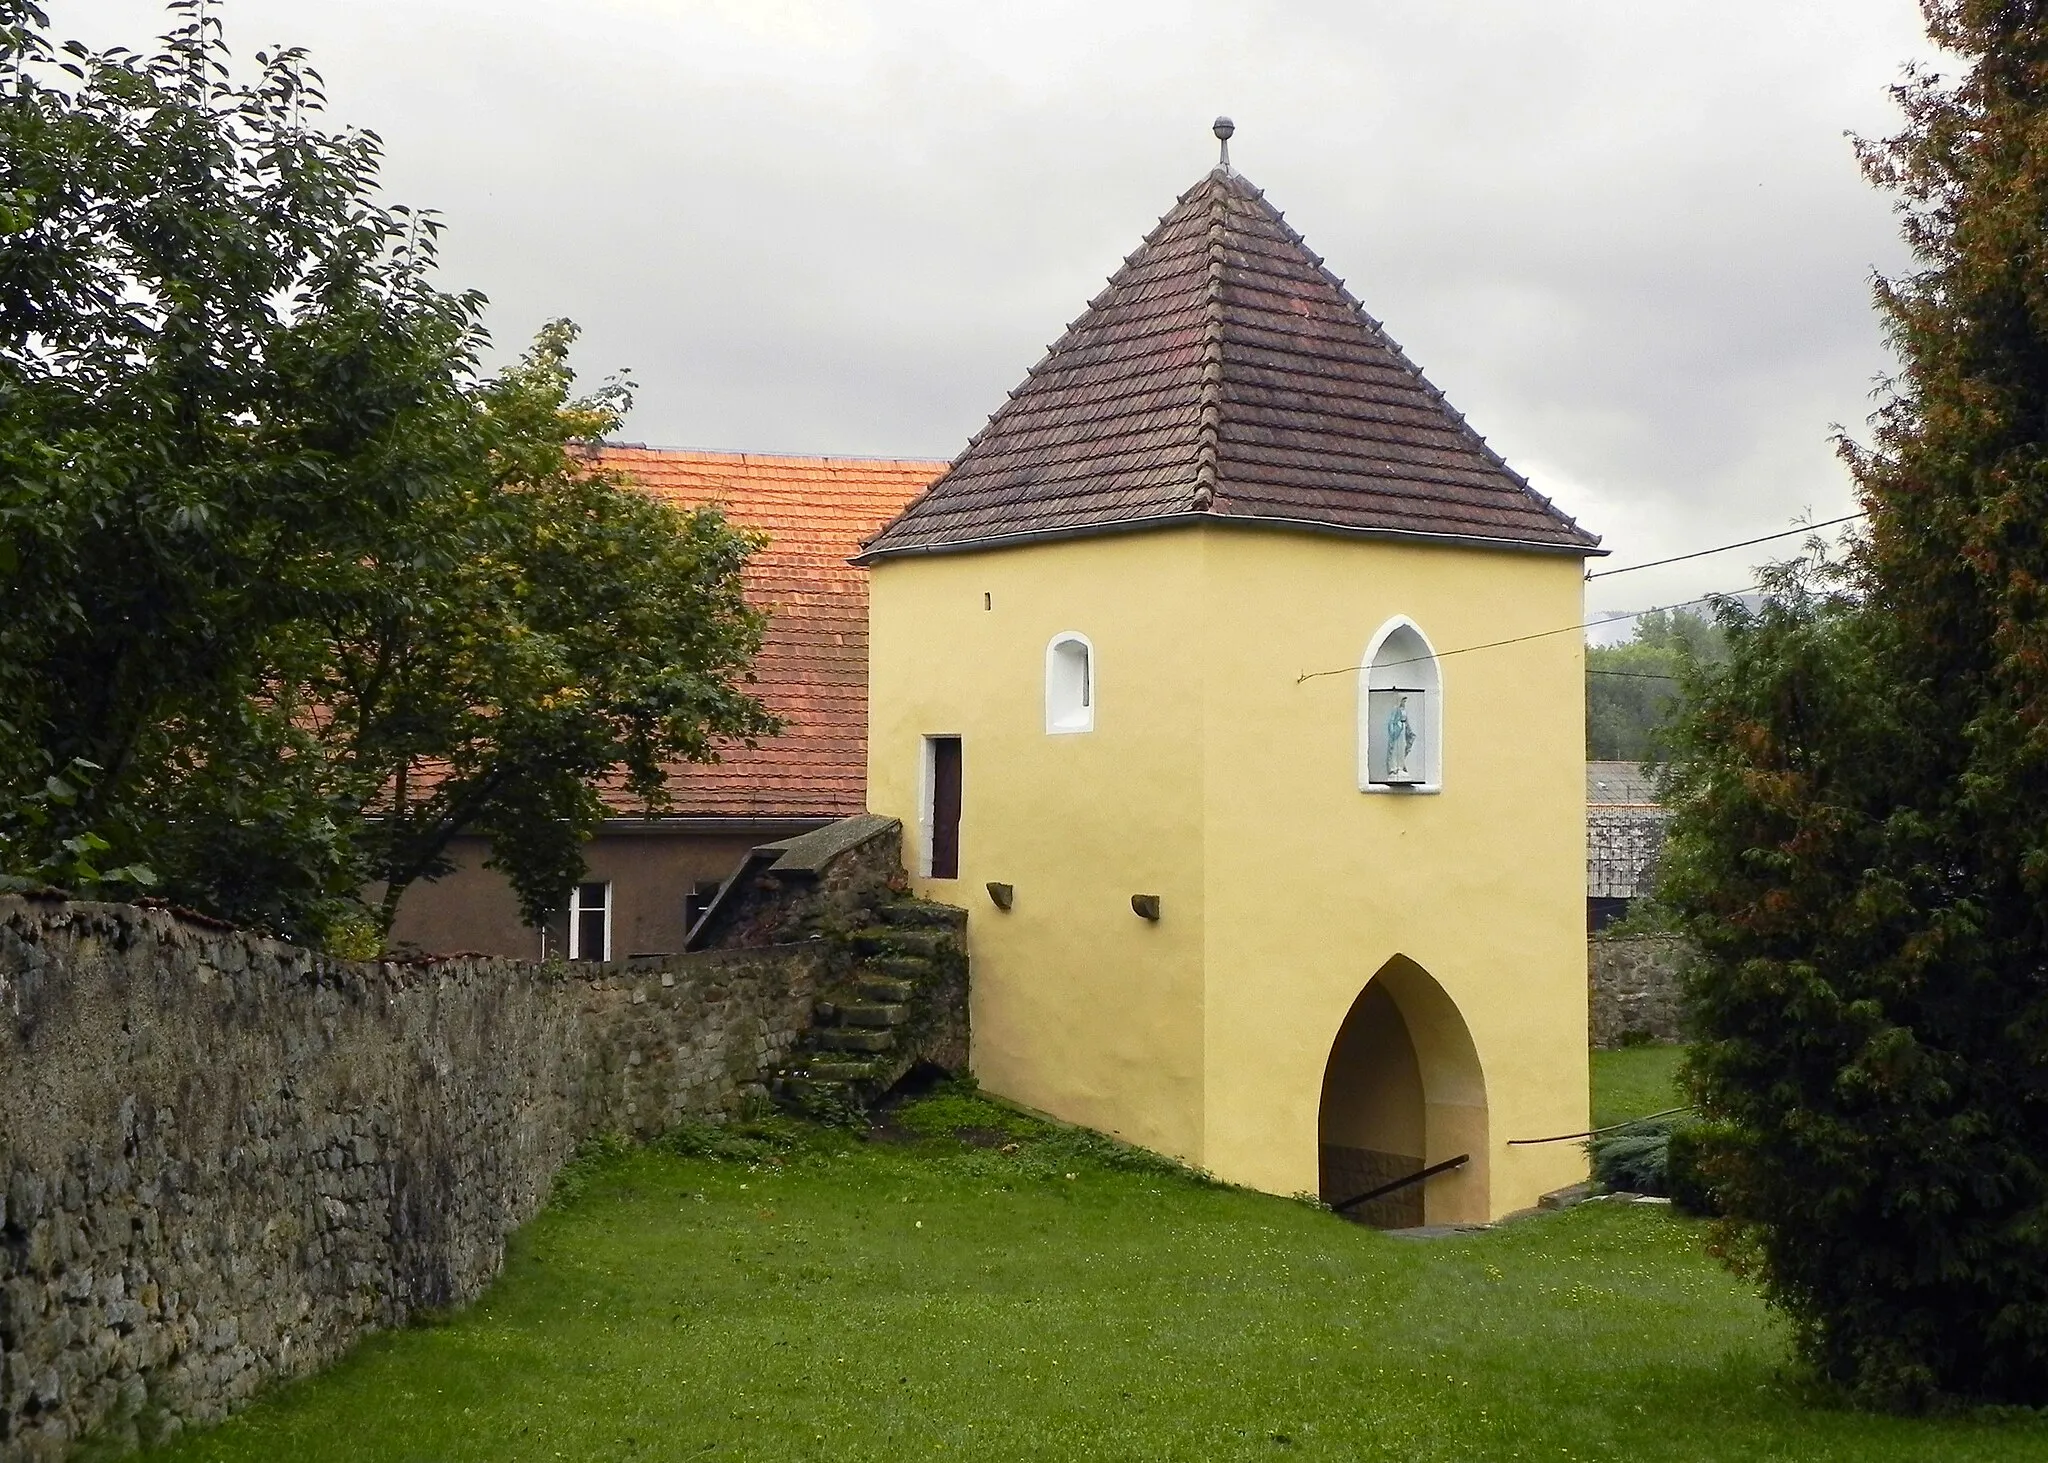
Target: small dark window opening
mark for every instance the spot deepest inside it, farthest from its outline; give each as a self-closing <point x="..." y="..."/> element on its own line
<point x="1602" y="911"/>
<point x="945" y="808"/>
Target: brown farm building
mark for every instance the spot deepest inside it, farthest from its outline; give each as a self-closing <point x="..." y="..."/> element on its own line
<point x="649" y="876"/>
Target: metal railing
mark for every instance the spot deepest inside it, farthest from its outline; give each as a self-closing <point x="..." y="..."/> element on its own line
<point x="1401" y="1183"/>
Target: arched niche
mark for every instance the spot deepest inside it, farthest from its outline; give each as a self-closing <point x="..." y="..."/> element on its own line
<point x="1400" y="712"/>
<point x="1069" y="684"/>
<point x="1403" y="1090"/>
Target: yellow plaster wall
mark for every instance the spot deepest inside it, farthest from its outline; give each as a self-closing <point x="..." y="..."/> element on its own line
<point x="1216" y="781"/>
<point x="1079" y="1007"/>
<point x="1314" y="886"/>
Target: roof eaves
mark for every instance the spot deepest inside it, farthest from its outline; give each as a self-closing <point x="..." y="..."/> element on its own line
<point x="663" y="824"/>
<point x="1192" y="519"/>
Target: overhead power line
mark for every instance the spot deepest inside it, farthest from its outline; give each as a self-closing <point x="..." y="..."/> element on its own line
<point x="1724" y="548"/>
<point x="1352" y="670"/>
<point x="1610" y="619"/>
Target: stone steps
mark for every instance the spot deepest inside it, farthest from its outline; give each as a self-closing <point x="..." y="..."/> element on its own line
<point x="823" y="1095"/>
<point x="899" y="940"/>
<point x="875" y="1015"/>
<point x="851" y="1039"/>
<point x="921" y="914"/>
<point x="866" y="1026"/>
<point x="879" y="1014"/>
<point x="889" y="989"/>
<point x="820" y="1067"/>
<point x="910" y="968"/>
<point x="810" y="1092"/>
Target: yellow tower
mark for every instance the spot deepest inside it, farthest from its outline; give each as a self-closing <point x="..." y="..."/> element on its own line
<point x="1310" y="934"/>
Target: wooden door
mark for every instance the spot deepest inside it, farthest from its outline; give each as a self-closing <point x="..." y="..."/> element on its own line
<point x="945" y="810"/>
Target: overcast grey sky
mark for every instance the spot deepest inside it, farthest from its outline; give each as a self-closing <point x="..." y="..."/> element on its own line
<point x="1628" y="240"/>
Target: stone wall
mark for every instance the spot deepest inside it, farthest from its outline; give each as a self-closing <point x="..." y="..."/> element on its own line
<point x="823" y="883"/>
<point x="222" y="1159"/>
<point x="1635" y="988"/>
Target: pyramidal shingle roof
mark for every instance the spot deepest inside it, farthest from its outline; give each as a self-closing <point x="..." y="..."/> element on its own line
<point x="1224" y="375"/>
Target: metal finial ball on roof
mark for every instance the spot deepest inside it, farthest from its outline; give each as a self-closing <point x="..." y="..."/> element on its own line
<point x="1224" y="128"/>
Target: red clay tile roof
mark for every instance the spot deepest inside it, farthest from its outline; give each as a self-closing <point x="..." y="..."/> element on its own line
<point x="813" y="667"/>
<point x="1225" y="374"/>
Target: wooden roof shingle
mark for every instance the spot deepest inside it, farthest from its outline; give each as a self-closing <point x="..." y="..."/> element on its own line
<point x="1225" y="375"/>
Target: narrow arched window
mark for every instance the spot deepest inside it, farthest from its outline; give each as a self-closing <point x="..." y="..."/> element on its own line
<point x="1400" y="712"/>
<point x="1069" y="684"/>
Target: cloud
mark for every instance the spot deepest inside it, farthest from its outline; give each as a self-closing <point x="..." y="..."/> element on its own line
<point x="1628" y="240"/>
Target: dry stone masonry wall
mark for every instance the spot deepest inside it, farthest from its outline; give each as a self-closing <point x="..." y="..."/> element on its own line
<point x="1636" y="986"/>
<point x="223" y="1159"/>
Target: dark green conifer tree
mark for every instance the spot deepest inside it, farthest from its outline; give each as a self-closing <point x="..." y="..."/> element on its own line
<point x="1861" y="839"/>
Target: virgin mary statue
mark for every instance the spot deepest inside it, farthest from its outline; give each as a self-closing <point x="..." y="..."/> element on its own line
<point x="1400" y="741"/>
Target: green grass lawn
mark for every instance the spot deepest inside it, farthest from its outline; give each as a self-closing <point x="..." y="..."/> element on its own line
<point x="931" y="1299"/>
<point x="1635" y="1082"/>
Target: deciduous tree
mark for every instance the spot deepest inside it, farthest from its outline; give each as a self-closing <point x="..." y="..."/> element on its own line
<point x="539" y="631"/>
<point x="1632" y="689"/>
<point x="289" y="593"/>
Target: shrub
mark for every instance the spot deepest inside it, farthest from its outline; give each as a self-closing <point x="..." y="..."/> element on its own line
<point x="1636" y="1159"/>
<point x="1685" y="1174"/>
<point x="1633" y="1162"/>
<point x="1661" y="1156"/>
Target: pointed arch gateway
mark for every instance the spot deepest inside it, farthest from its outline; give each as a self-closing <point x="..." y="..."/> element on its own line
<point x="1403" y="1091"/>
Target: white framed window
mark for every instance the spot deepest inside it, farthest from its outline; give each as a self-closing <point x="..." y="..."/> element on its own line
<point x="590" y="922"/>
<point x="1400" y="712"/>
<point x="1069" y="684"/>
